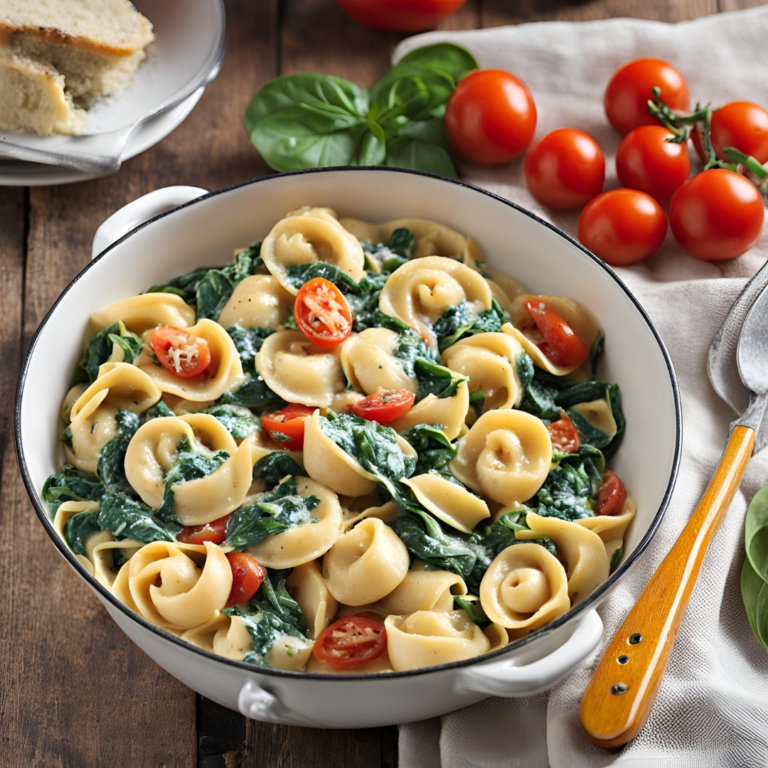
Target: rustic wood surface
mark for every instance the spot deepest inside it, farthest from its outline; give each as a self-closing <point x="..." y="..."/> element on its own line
<point x="74" y="691"/>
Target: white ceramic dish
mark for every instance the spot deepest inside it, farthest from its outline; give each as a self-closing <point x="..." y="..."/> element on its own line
<point x="205" y="231"/>
<point x="186" y="56"/>
<point x="18" y="173"/>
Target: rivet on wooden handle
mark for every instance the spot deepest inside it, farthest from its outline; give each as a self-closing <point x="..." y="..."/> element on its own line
<point x="620" y="696"/>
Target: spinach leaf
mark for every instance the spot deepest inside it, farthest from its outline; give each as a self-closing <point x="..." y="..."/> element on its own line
<point x="248" y="342"/>
<point x="273" y="467"/>
<point x="110" y="464"/>
<point x="78" y="528"/>
<point x="538" y="396"/>
<point x="461" y="320"/>
<point x="184" y="286"/>
<point x="100" y="349"/>
<point x="71" y="484"/>
<point x="435" y="379"/>
<point x="616" y="559"/>
<point x="472" y="606"/>
<point x="126" y="517"/>
<point x="400" y="248"/>
<point x="158" y="410"/>
<point x="434" y="449"/>
<point x="570" y="490"/>
<point x="477" y="402"/>
<point x="273" y="512"/>
<point x="216" y="287"/>
<point x="239" y="421"/>
<point x="254" y="392"/>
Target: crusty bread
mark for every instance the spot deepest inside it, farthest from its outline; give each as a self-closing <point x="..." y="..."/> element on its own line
<point x="32" y="98"/>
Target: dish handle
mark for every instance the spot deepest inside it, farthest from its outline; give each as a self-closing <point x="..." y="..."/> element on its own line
<point x="505" y="678"/>
<point x="140" y="210"/>
<point x="259" y="704"/>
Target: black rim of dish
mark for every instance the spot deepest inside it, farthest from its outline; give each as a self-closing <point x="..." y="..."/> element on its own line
<point x="579" y="610"/>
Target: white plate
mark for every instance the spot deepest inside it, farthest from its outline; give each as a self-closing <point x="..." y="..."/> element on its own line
<point x="186" y="56"/>
<point x="18" y="173"/>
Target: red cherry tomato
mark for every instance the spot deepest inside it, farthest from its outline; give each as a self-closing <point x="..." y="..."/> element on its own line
<point x="247" y="576"/>
<point x="215" y="532"/>
<point x="179" y="352"/>
<point x="717" y="215"/>
<point x="562" y="345"/>
<point x="610" y="497"/>
<point x="399" y="15"/>
<point x="490" y="117"/>
<point x="384" y="405"/>
<point x="626" y="97"/>
<point x="564" y="435"/>
<point x="740" y="124"/>
<point x="622" y="226"/>
<point x="565" y="169"/>
<point x="350" y="642"/>
<point x="648" y="162"/>
<point x="288" y="423"/>
<point x="322" y="313"/>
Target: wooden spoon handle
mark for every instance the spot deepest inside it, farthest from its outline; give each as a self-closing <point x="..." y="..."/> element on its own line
<point x="620" y="695"/>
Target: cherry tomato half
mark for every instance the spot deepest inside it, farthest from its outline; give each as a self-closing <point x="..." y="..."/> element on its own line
<point x="215" y="532"/>
<point x="610" y="497"/>
<point x="564" y="435"/>
<point x="247" y="576"/>
<point x="400" y="15"/>
<point x="626" y="97"/>
<point x="322" y="313"/>
<point x="179" y="352"/>
<point x="350" y="642"/>
<point x="384" y="405"/>
<point x="717" y="215"/>
<point x="565" y="169"/>
<point x="562" y="345"/>
<point x="648" y="162"/>
<point x="622" y="226"/>
<point x="286" y="427"/>
<point x="490" y="117"/>
<point x="740" y="124"/>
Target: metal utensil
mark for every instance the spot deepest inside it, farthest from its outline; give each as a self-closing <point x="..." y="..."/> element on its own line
<point x="620" y="696"/>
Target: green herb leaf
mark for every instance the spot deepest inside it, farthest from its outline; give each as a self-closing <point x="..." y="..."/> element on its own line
<point x="110" y="464"/>
<point x="101" y="347"/>
<point x="78" y="528"/>
<point x="238" y="420"/>
<point x="128" y="518"/>
<point x="436" y="379"/>
<point x="273" y="467"/>
<point x="434" y="449"/>
<point x="71" y="484"/>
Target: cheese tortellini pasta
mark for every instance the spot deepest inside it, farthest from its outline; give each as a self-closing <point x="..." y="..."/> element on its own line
<point x="388" y="475"/>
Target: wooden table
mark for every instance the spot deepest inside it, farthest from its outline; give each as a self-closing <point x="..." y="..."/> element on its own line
<point x="74" y="691"/>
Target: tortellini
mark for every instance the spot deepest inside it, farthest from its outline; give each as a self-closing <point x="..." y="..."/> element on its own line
<point x="362" y="507"/>
<point x="427" y="638"/>
<point x="370" y="362"/>
<point x="259" y="301"/>
<point x="446" y="413"/>
<point x="175" y="586"/>
<point x="524" y="588"/>
<point x="224" y="372"/>
<point x="308" y="237"/>
<point x="424" y="590"/>
<point x="523" y="328"/>
<point x="448" y="501"/>
<point x="598" y="414"/>
<point x="304" y="542"/>
<point x="583" y="551"/>
<point x="506" y="456"/>
<point x="365" y="564"/>
<point x="490" y="360"/>
<point x="223" y="635"/>
<point x="143" y="312"/>
<point x="298" y="371"/>
<point x="611" y="528"/>
<point x="419" y="292"/>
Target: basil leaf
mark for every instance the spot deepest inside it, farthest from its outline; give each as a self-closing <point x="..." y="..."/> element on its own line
<point x="756" y="533"/>
<point x="754" y="593"/>
<point x="403" y="152"/>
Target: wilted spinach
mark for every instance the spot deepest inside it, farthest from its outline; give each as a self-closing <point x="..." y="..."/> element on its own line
<point x="273" y="467"/>
<point x="71" y="484"/>
<point x="436" y="379"/>
<point x="111" y="462"/>
<point x="254" y="392"/>
<point x="434" y="449"/>
<point x="238" y="420"/>
<point x="78" y="528"/>
<point x="128" y="518"/>
<point x="100" y="349"/>
<point x="461" y="320"/>
<point x="400" y="248"/>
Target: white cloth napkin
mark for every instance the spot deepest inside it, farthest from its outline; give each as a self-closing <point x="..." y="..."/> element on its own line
<point x="712" y="708"/>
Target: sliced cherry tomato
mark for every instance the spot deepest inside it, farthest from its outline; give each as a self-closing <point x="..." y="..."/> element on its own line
<point x="215" y="532"/>
<point x="740" y="124"/>
<point x="626" y="97"/>
<point x="717" y="215"/>
<point x="247" y="576"/>
<point x="286" y="427"/>
<point x="322" y="313"/>
<point x="648" y="162"/>
<point x="350" y="642"/>
<point x="399" y="15"/>
<point x="179" y="352"/>
<point x="622" y="226"/>
<point x="562" y="345"/>
<point x="564" y="435"/>
<point x="565" y="169"/>
<point x="490" y="117"/>
<point x="384" y="405"/>
<point x="611" y="495"/>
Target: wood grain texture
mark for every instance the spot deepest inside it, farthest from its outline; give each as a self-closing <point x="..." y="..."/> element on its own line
<point x="621" y="694"/>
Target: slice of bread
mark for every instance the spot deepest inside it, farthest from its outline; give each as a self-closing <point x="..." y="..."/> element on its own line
<point x="32" y="98"/>
<point x="97" y="45"/>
